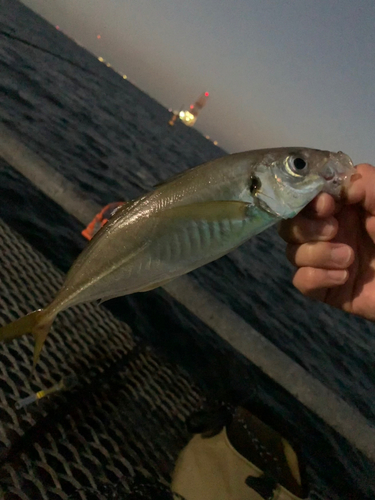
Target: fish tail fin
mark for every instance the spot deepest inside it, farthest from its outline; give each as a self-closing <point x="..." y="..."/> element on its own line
<point x="36" y="323"/>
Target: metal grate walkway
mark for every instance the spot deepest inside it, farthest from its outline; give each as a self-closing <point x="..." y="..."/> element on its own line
<point x="121" y="425"/>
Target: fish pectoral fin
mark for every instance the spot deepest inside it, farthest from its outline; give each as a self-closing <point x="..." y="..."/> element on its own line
<point x="209" y="211"/>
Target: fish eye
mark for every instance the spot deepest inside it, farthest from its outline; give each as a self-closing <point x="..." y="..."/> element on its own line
<point x="299" y="163"/>
<point x="296" y="165"/>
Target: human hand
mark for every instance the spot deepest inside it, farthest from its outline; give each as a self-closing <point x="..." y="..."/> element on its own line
<point x="333" y="247"/>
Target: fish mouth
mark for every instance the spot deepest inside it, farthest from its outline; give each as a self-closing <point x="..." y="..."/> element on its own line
<point x="336" y="173"/>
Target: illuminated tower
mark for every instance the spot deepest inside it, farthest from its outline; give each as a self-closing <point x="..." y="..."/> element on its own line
<point x="189" y="117"/>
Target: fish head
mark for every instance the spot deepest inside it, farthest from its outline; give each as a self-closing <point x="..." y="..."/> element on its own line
<point x="287" y="179"/>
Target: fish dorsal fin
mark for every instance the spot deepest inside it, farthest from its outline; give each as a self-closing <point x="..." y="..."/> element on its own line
<point x="170" y="179"/>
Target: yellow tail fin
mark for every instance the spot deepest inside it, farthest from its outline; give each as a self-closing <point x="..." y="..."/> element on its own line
<point x="34" y="323"/>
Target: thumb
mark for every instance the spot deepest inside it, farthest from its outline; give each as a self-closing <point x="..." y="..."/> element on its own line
<point x="362" y="189"/>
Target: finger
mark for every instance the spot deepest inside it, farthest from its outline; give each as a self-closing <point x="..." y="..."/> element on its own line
<point x="362" y="190"/>
<point x="322" y="206"/>
<point x="301" y="229"/>
<point x="312" y="282"/>
<point x="370" y="226"/>
<point x="320" y="254"/>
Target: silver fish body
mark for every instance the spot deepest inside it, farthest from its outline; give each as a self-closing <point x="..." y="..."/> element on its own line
<point x="191" y="220"/>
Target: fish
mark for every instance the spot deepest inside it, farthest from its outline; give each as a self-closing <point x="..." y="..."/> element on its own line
<point x="192" y="219"/>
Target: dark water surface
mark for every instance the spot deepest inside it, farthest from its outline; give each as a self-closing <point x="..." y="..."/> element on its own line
<point x="113" y="142"/>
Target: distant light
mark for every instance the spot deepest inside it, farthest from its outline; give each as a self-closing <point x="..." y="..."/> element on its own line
<point x="98" y="37"/>
<point x="100" y="59"/>
<point x="124" y="77"/>
<point x="191" y="106"/>
<point x="206" y="94"/>
<point x="182" y="114"/>
<point x="57" y="27"/>
<point x="108" y="64"/>
<point x="207" y="136"/>
<point x="216" y="143"/>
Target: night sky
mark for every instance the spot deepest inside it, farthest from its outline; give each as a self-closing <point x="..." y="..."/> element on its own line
<point x="283" y="73"/>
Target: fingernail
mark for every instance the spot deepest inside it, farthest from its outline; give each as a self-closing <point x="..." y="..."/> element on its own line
<point x="354" y="188"/>
<point x="321" y="203"/>
<point x="328" y="228"/>
<point x="337" y="276"/>
<point x="341" y="255"/>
